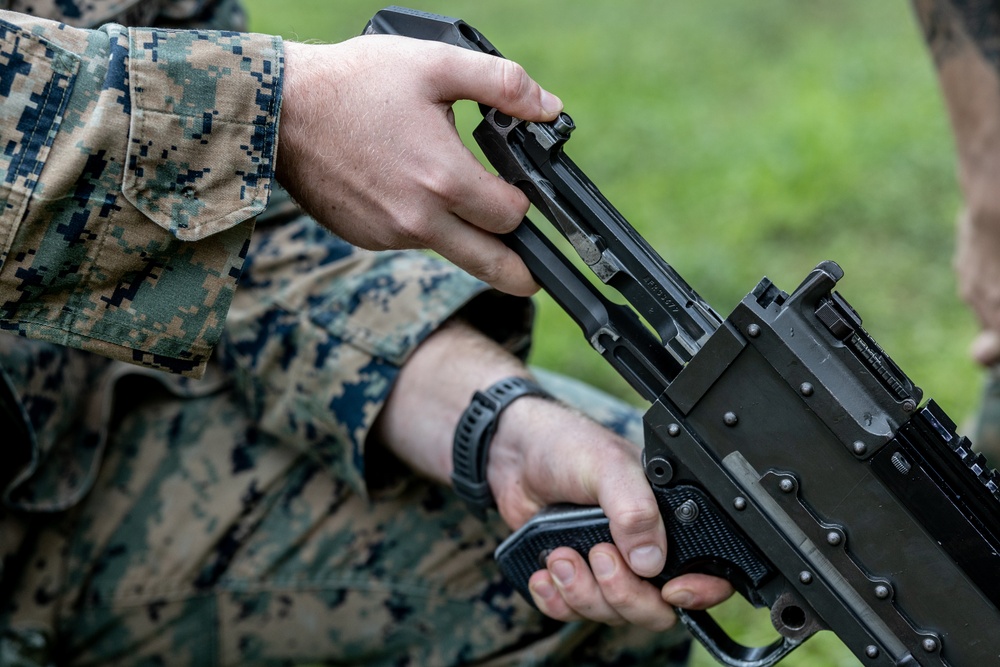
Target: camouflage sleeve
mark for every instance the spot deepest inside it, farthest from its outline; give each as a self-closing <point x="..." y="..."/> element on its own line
<point x="319" y="330"/>
<point x="130" y="158"/>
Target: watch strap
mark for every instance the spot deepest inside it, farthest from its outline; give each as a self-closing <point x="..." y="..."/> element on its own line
<point x="470" y="449"/>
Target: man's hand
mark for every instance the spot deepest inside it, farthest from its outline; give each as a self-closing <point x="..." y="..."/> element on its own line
<point x="368" y="146"/>
<point x="544" y="453"/>
<point x="977" y="265"/>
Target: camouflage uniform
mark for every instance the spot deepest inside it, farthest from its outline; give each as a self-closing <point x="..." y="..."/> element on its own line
<point x="226" y="512"/>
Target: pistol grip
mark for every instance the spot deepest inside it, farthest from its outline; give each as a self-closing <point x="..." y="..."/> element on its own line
<point x="700" y="539"/>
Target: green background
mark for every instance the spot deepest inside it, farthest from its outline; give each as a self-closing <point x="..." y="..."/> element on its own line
<point x="744" y="139"/>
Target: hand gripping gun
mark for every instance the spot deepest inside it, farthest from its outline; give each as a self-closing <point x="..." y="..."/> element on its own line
<point x="787" y="452"/>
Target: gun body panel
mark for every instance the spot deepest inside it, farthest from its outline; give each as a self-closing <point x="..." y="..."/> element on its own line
<point x="803" y="473"/>
<point x="782" y="442"/>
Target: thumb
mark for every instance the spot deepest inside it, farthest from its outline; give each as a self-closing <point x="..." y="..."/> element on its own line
<point x="634" y="517"/>
<point x="496" y="82"/>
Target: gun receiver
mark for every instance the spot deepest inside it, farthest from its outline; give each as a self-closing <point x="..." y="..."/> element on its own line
<point x="786" y="450"/>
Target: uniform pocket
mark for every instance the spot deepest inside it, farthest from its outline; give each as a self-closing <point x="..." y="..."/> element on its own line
<point x="203" y="127"/>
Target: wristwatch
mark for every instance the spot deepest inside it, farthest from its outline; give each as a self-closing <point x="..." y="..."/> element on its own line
<point x="473" y="435"/>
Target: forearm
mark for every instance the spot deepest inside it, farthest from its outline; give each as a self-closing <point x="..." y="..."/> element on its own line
<point x="434" y="387"/>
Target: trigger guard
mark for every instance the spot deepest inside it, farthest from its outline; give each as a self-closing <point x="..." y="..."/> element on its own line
<point x="728" y="651"/>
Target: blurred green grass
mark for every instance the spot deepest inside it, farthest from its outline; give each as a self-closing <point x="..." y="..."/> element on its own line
<point x="744" y="139"/>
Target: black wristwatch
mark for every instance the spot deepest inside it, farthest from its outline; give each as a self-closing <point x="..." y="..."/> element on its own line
<point x="473" y="435"/>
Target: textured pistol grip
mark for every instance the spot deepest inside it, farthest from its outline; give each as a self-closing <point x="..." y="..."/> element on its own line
<point x="700" y="539"/>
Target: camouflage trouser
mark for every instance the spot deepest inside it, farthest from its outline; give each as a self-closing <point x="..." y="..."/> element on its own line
<point x="307" y="570"/>
<point x="206" y="540"/>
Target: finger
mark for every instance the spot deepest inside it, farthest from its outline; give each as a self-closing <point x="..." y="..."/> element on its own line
<point x="487" y="201"/>
<point x="484" y="256"/>
<point x="635" y="521"/>
<point x="696" y="591"/>
<point x="578" y="587"/>
<point x="547" y="598"/>
<point x="496" y="82"/>
<point x="635" y="600"/>
<point x="480" y="197"/>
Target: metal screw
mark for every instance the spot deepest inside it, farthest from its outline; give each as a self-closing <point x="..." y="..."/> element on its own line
<point x="673" y="430"/>
<point x="881" y="592"/>
<point x="786" y="485"/>
<point x="833" y="538"/>
<point x="805" y="577"/>
<point x="909" y="405"/>
<point x="753" y="330"/>
<point x="730" y="419"/>
<point x="929" y="645"/>
<point x="740" y="503"/>
<point x="860" y="448"/>
<point x="871" y="651"/>
<point x="687" y="512"/>
<point x="806" y="389"/>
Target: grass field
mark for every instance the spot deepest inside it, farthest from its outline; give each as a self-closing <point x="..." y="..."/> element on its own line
<point x="745" y="139"/>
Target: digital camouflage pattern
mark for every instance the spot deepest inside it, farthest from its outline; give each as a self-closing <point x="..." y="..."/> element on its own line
<point x="239" y="518"/>
<point x="153" y="518"/>
<point x="149" y="138"/>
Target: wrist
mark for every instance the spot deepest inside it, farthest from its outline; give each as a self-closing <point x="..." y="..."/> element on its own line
<point x="474" y="436"/>
<point x="433" y="389"/>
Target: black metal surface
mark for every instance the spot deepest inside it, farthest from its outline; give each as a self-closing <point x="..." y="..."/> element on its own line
<point x="612" y="329"/>
<point x="953" y="501"/>
<point x="525" y="155"/>
<point x="802" y="436"/>
<point x="703" y="540"/>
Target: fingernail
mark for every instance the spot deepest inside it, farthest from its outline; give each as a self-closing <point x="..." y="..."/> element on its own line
<point x="602" y="565"/>
<point x="563" y="572"/>
<point x="681" y="598"/>
<point x="646" y="560"/>
<point x="550" y="103"/>
<point x="543" y="590"/>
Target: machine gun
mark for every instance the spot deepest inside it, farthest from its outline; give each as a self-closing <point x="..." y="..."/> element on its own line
<point x="786" y="450"/>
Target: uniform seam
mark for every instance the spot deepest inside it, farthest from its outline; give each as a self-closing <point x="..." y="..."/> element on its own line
<point x="27" y="140"/>
<point x="195" y="349"/>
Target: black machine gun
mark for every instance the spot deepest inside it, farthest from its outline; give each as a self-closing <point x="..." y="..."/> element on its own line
<point x="786" y="450"/>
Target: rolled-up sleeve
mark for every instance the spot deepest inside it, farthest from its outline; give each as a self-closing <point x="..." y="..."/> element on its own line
<point x="132" y="164"/>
